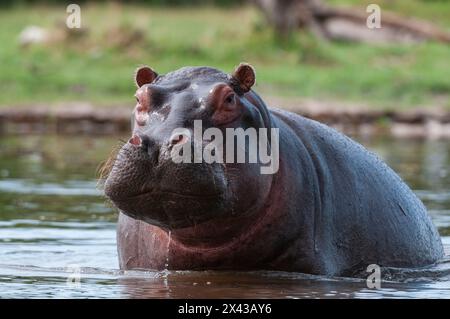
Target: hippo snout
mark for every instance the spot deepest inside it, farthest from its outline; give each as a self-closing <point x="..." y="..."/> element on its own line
<point x="144" y="183"/>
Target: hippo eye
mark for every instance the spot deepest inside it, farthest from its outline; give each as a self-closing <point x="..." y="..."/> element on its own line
<point x="230" y="98"/>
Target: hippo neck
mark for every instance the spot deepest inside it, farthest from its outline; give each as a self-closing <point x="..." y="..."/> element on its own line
<point x="256" y="100"/>
<point x="228" y="233"/>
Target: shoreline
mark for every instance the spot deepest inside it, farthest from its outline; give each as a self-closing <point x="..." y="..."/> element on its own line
<point x="85" y="118"/>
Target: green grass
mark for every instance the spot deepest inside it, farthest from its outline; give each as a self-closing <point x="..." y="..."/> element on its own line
<point x="99" y="67"/>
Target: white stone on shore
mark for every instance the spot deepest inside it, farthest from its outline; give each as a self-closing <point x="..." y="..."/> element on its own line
<point x="33" y="35"/>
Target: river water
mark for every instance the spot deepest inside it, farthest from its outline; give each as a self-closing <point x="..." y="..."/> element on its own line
<point x="57" y="235"/>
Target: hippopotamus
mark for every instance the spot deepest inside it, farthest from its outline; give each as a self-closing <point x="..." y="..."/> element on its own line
<point x="330" y="208"/>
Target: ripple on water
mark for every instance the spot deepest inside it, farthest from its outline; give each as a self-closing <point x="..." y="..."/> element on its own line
<point x="55" y="226"/>
<point x="24" y="186"/>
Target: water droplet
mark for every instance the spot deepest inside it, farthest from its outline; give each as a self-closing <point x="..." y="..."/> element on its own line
<point x="168" y="251"/>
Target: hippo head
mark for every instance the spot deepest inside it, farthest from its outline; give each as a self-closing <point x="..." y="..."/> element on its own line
<point x="146" y="183"/>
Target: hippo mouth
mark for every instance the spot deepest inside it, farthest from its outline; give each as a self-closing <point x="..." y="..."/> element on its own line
<point x="170" y="193"/>
<point x="166" y="194"/>
<point x="173" y="210"/>
<point x="169" y="208"/>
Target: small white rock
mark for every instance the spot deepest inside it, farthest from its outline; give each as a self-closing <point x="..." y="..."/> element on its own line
<point x="32" y="35"/>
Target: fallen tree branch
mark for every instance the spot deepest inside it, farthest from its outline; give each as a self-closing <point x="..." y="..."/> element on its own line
<point x="334" y="23"/>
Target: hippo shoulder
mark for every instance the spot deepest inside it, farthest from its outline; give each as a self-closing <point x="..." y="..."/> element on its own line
<point x="362" y="200"/>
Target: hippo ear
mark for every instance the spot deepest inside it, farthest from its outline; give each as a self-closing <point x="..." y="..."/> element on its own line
<point x="144" y="75"/>
<point x="245" y="76"/>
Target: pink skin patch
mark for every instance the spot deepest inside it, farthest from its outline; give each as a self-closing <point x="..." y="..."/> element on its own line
<point x="142" y="106"/>
<point x="141" y="116"/>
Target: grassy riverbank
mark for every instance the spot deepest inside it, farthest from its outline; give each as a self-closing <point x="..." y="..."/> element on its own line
<point x="98" y="65"/>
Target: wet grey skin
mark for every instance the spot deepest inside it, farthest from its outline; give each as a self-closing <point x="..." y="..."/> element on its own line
<point x="332" y="208"/>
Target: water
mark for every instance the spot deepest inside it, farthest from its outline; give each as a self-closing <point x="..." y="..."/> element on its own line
<point x="57" y="236"/>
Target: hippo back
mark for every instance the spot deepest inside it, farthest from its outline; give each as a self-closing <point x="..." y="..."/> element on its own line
<point x="364" y="213"/>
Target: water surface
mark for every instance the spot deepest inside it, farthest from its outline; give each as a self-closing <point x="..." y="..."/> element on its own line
<point x="56" y="228"/>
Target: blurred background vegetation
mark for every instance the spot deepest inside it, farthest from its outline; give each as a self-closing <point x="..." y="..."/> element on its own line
<point x="96" y="63"/>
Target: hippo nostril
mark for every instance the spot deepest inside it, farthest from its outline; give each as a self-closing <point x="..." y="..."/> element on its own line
<point x="178" y="138"/>
<point x="135" y="140"/>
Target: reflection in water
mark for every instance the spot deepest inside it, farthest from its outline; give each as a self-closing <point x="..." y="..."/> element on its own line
<point x="52" y="216"/>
